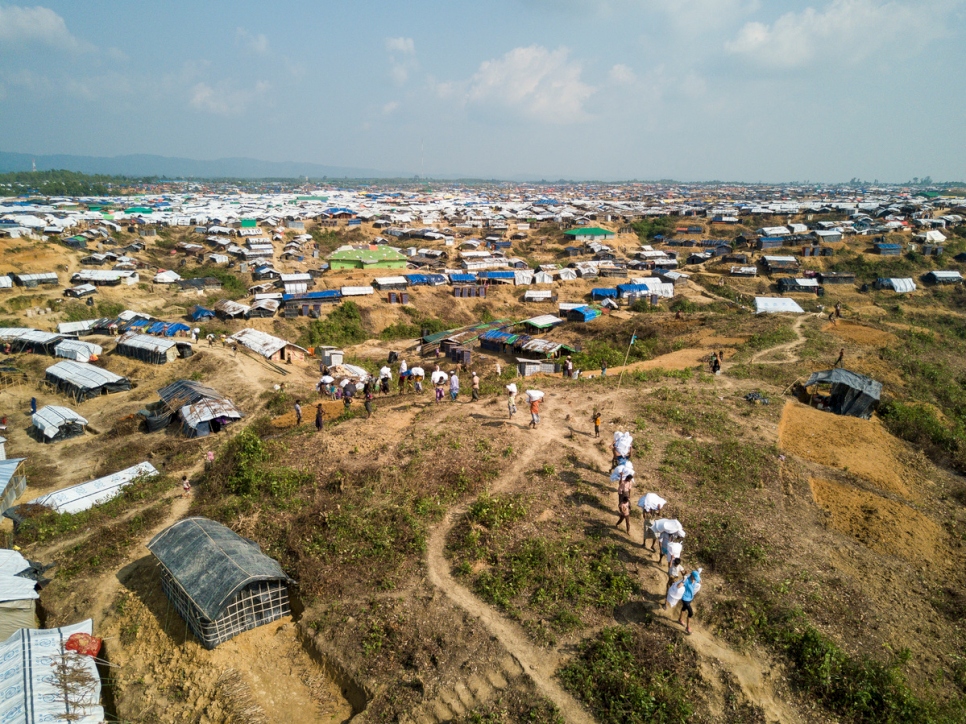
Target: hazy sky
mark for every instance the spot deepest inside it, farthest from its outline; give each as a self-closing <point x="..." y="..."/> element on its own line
<point x="610" y="89"/>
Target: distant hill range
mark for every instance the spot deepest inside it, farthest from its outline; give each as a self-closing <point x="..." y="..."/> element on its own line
<point x="140" y="165"/>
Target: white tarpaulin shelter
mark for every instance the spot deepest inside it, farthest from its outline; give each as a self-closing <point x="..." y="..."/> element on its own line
<point x="87" y="495"/>
<point x="899" y="286"/>
<point x="78" y="351"/>
<point x="17" y="605"/>
<point x="30" y="693"/>
<point x="774" y="305"/>
<point x="50" y="419"/>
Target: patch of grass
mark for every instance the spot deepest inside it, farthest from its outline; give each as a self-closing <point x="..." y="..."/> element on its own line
<point x="77" y="311"/>
<point x="420" y="325"/>
<point x="728" y="467"/>
<point x="687" y="411"/>
<point x="633" y="675"/>
<point x="495" y="511"/>
<point x="250" y="468"/>
<point x="723" y="544"/>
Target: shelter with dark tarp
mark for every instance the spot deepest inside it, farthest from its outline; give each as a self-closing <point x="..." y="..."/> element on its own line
<point x="83" y="381"/>
<point x="202" y="409"/>
<point x="146" y="348"/>
<point x="220" y="583"/>
<point x="54" y="423"/>
<point x="851" y="393"/>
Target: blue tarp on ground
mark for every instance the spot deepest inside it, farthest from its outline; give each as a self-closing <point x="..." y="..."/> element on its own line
<point x="603" y="293"/>
<point x="201" y="313"/>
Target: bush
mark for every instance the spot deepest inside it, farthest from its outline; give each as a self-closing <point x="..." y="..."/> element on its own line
<point x="248" y="468"/>
<point x="230" y="283"/>
<point x="495" y="511"/>
<point x="633" y="675"/>
<point x="342" y="327"/>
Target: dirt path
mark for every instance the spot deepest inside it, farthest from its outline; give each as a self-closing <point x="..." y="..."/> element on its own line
<point x="786" y="348"/>
<point x="540" y="664"/>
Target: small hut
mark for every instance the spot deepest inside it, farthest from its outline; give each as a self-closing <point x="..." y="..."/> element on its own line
<point x="850" y="394"/>
<point x="220" y="583"/>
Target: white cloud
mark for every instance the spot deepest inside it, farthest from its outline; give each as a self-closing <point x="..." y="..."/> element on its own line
<point x="538" y="83"/>
<point x="621" y="74"/>
<point x="400" y="45"/>
<point x="844" y="30"/>
<point x="23" y="26"/>
<point x="402" y="58"/>
<point x="223" y="100"/>
<point x="257" y="44"/>
<point x="390" y="107"/>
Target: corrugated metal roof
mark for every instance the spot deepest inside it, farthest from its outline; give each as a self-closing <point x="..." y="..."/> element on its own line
<point x="261" y="342"/>
<point x="543" y="321"/>
<point x="205" y="410"/>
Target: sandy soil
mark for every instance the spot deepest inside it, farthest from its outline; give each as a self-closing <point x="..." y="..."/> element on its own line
<point x="862" y="447"/>
<point x="884" y="525"/>
<point x="860" y="334"/>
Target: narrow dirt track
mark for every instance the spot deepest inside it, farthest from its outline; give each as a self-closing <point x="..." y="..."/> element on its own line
<point x="787" y="347"/>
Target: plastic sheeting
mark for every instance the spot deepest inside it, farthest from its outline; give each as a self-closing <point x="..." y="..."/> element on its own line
<point x="86" y="495"/>
<point x="30" y="694"/>
<point x="671" y="526"/>
<point x="775" y="305"/>
<point x="50" y="419"/>
<point x="624" y="470"/>
<point x="852" y="394"/>
<point x="651" y="502"/>
<point x="623" y="442"/>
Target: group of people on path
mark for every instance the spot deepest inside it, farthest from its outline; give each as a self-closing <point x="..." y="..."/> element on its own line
<point x="666" y="533"/>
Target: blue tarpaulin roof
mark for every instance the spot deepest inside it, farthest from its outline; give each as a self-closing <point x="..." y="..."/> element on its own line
<point x="462" y="278"/>
<point x="584" y="314"/>
<point x="603" y="293"/>
<point x="623" y="289"/>
<point x="201" y="313"/>
<point x="156" y="328"/>
<point x="308" y="296"/>
<point x="140" y="323"/>
<point x="417" y="279"/>
<point x="496" y="275"/>
<point x="436" y="279"/>
<point x="174" y="328"/>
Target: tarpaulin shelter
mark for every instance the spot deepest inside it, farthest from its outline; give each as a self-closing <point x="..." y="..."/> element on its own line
<point x="31" y="694"/>
<point x="851" y="393"/>
<point x="203" y="410"/>
<point x="220" y="583"/>
<point x="54" y="423"/>
<point x="13" y="481"/>
<point x="147" y="348"/>
<point x="83" y="381"/>
<point x="18" y="594"/>
<point x="200" y="313"/>
<point x="84" y="496"/>
<point x="76" y="350"/>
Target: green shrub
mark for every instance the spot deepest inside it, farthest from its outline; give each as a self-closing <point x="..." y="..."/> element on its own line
<point x="341" y="328"/>
<point x="496" y="511"/>
<point x="632" y="675"/>
<point x="232" y="285"/>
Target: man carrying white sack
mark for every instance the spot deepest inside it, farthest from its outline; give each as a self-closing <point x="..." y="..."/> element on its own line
<point x="623" y="443"/>
<point x="684" y="592"/>
<point x="651" y="505"/>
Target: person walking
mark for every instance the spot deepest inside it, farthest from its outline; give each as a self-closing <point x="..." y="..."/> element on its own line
<point x="534" y="412"/>
<point x="511" y="399"/>
<point x="185" y="486"/>
<point x="298" y="412"/>
<point x="838" y="310"/>
<point x="624" y="488"/>
<point x="209" y="460"/>
<point x="454" y="386"/>
<point x="319" y="417"/>
<point x="499" y="368"/>
<point x="712" y="360"/>
<point x="569" y="367"/>
<point x="475" y="387"/>
<point x="368" y="401"/>
<point x="675" y="572"/>
<point x="596" y="423"/>
<point x="691" y="585"/>
<point x="650" y="505"/>
<point x="839" y="361"/>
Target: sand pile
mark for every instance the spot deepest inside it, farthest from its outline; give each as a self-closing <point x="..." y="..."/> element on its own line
<point x="886" y="526"/>
<point x="862" y="447"/>
<point x="860" y="334"/>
